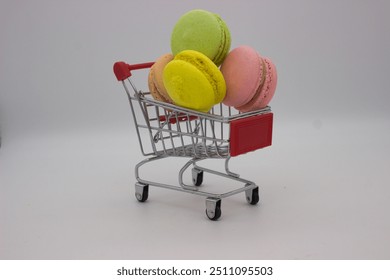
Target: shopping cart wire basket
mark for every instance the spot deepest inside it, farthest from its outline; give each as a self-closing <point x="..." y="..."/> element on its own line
<point x="166" y="130"/>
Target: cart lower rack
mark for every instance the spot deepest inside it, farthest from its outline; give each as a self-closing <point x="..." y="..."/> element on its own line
<point x="165" y="130"/>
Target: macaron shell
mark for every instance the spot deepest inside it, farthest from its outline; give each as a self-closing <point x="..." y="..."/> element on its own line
<point x="267" y="90"/>
<point x="209" y="69"/>
<point x="155" y="78"/>
<point x="201" y="31"/>
<point x="225" y="44"/>
<point x="153" y="89"/>
<point x="188" y="87"/>
<point x="243" y="73"/>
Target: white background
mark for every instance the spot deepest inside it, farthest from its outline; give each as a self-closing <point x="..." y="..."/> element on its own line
<point x="69" y="146"/>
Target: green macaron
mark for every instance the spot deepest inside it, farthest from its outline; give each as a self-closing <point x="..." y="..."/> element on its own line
<point x="202" y="31"/>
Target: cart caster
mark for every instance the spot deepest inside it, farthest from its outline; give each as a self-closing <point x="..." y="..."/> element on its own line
<point x="213" y="208"/>
<point x="197" y="177"/>
<point x="252" y="196"/>
<point x="141" y="192"/>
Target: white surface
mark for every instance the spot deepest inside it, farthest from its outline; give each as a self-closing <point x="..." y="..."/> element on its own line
<point x="69" y="148"/>
<point x="324" y="194"/>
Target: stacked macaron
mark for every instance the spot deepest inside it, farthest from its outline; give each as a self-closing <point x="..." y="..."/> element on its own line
<point x="193" y="81"/>
<point x="204" y="32"/>
<point x="250" y="79"/>
<point x="155" y="79"/>
<point x="190" y="77"/>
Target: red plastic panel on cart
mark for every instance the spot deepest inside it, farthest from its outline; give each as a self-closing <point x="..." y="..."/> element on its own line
<point x="250" y="134"/>
<point x="180" y="117"/>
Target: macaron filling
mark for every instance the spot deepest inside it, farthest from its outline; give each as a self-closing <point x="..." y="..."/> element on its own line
<point x="259" y="89"/>
<point x="155" y="79"/>
<point x="154" y="90"/>
<point x="225" y="42"/>
<point x="266" y="92"/>
<point x="271" y="81"/>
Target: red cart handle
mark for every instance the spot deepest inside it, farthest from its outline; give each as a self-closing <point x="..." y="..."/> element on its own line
<point x="123" y="70"/>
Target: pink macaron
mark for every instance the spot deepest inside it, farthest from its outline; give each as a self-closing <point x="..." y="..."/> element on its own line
<point x="250" y="79"/>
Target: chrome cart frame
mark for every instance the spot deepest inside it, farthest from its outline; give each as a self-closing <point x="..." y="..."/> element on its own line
<point x="166" y="130"/>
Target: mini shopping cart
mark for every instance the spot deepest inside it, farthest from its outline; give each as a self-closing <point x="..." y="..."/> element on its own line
<point x="165" y="130"/>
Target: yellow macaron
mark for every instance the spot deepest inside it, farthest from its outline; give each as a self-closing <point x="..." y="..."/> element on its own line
<point x="193" y="81"/>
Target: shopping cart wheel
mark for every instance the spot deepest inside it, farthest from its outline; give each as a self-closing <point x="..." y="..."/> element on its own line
<point x="197" y="176"/>
<point x="141" y="192"/>
<point x="213" y="208"/>
<point x="252" y="196"/>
